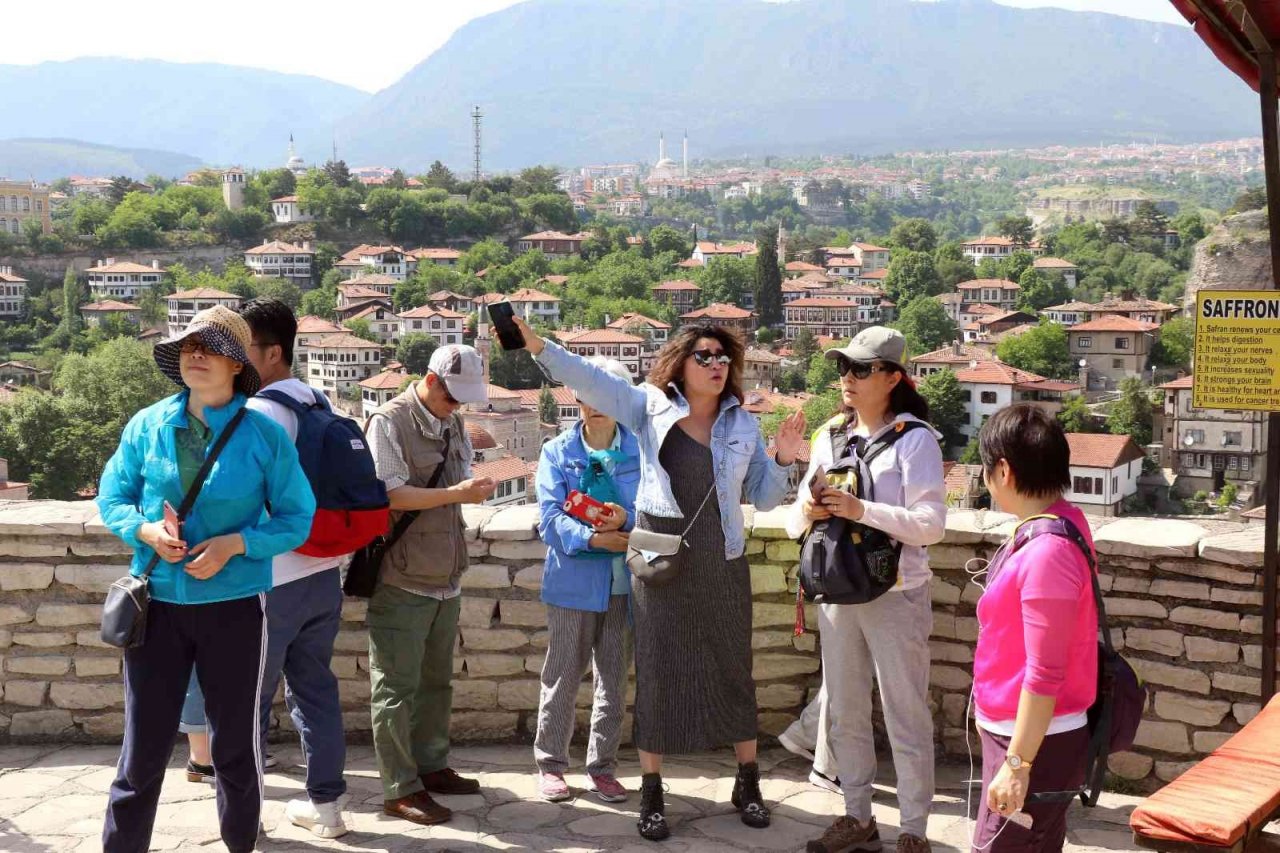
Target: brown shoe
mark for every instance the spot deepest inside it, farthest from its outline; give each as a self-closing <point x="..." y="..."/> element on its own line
<point x="447" y="781"/>
<point x="913" y="844"/>
<point x="417" y="808"/>
<point x="847" y="835"/>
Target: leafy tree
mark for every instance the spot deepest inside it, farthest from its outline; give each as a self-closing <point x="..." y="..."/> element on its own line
<point x="1038" y="290"/>
<point x="1042" y="350"/>
<point x="804" y="345"/>
<point x="513" y="369"/>
<point x="120" y="187"/>
<point x="440" y="177"/>
<point x="484" y="255"/>
<point x="972" y="455"/>
<point x="277" y="182"/>
<point x="1254" y="198"/>
<point x="321" y="302"/>
<point x="947" y="411"/>
<point x="326" y="256"/>
<point x="1019" y="229"/>
<point x="338" y="173"/>
<point x="914" y="235"/>
<point x="1076" y="416"/>
<point x="664" y="238"/>
<point x="821" y="408"/>
<point x="768" y="277"/>
<point x="414" y="352"/>
<point x="1149" y="219"/>
<point x="727" y="280"/>
<point x="360" y="327"/>
<point x="71" y="299"/>
<point x="926" y="326"/>
<point x="912" y="275"/>
<point x="278" y="288"/>
<point x="1190" y="227"/>
<point x="822" y="373"/>
<point x="548" y="411"/>
<point x="1131" y="413"/>
<point x="1012" y="267"/>
<point x="1175" y="344"/>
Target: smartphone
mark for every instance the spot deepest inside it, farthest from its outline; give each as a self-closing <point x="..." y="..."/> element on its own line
<point x="585" y="508"/>
<point x="172" y="525"/>
<point x="818" y="483"/>
<point x="508" y="333"/>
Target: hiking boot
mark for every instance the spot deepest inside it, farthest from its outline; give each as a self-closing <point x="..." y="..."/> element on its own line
<point x="447" y="781"/>
<point x="652" y="823"/>
<point x="747" y="798"/>
<point x="847" y="835"/>
<point x="199" y="772"/>
<point x="417" y="808"/>
<point x="913" y="844"/>
<point x="552" y="787"/>
<point x="607" y="788"/>
<point x="323" y="819"/>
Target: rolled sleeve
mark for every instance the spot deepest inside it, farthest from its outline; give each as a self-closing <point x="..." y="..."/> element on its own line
<point x="388" y="457"/>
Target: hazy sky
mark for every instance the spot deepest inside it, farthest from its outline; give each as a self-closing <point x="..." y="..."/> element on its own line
<point x="369" y="46"/>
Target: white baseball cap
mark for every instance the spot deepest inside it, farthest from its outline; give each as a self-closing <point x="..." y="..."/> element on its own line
<point x="461" y="369"/>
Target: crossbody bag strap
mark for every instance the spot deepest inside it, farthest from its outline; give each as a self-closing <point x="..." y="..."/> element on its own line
<point x="403" y="522"/>
<point x="189" y="500"/>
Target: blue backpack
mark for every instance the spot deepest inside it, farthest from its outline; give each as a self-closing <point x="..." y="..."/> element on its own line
<point x="351" y="502"/>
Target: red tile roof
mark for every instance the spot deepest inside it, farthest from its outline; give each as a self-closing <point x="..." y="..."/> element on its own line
<point x="708" y="248"/>
<point x="875" y="275"/>
<point x="678" y="284"/>
<point x="1099" y="450"/>
<point x="277" y="247"/>
<point x="1182" y="383"/>
<point x="1141" y="304"/>
<point x="501" y="470"/>
<point x="997" y="373"/>
<point x="384" y="381"/>
<point x="977" y="283"/>
<point x="201" y="293"/>
<point x="443" y="295"/>
<point x="528" y="294"/>
<point x="422" y="312"/>
<point x="310" y="324"/>
<point x="869" y="247"/>
<point x="343" y="340"/>
<point x="802" y="266"/>
<point x="843" y="262"/>
<point x="10" y="278"/>
<point x="1053" y="264"/>
<point x="719" y="311"/>
<point x="1114" y="323"/>
<point x="631" y="319"/>
<point x="359" y="291"/>
<point x="108" y="305"/>
<point x="555" y="235"/>
<point x="690" y="263"/>
<point x="371" y="279"/>
<point x="563" y="396"/>
<point x="125" y="267"/>
<point x="948" y="355"/>
<point x="480" y="437"/>
<point x="819" y="302"/>
<point x="436" y="254"/>
<point x="604" y="336"/>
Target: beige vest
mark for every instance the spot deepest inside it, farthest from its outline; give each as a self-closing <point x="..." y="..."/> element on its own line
<point x="432" y="554"/>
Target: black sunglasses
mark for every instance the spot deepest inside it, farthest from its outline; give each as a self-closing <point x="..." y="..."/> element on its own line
<point x="859" y="369"/>
<point x="707" y="357"/>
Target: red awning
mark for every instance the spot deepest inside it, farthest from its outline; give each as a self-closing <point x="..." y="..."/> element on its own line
<point x="1231" y="28"/>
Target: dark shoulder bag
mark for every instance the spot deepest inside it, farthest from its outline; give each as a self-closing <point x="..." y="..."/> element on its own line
<point x="124" y="613"/>
<point x="366" y="562"/>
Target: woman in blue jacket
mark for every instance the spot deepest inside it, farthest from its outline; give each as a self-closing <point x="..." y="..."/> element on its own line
<point x="585" y="585"/>
<point x="208" y="587"/>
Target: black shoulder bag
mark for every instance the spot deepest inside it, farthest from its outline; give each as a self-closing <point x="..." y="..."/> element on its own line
<point x="124" y="613"/>
<point x="366" y="563"/>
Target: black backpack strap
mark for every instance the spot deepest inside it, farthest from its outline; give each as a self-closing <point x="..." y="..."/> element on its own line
<point x="839" y="438"/>
<point x="288" y="402"/>
<point x="888" y="439"/>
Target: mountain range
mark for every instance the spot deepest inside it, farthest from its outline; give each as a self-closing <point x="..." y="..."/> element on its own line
<point x="575" y="81"/>
<point x="50" y="159"/>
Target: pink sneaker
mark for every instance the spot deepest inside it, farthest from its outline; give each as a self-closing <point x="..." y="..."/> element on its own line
<point x="608" y="788"/>
<point x="552" y="787"/>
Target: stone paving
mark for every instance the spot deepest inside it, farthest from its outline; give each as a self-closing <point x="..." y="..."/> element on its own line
<point x="52" y="799"/>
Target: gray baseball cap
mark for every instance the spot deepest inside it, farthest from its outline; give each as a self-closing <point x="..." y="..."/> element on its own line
<point x="875" y="343"/>
<point x="462" y="370"/>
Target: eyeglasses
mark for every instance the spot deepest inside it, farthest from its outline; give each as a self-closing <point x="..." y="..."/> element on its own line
<point x="444" y="389"/>
<point x="707" y="357"/>
<point x="191" y="346"/>
<point x="859" y="369"/>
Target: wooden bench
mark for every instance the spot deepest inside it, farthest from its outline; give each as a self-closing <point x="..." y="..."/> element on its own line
<point x="1223" y="802"/>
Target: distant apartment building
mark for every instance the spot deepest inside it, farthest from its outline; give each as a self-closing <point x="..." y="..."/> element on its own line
<point x="954" y="356"/>
<point x="450" y="301"/>
<point x="999" y="293"/>
<point x="720" y="314"/>
<point x="341" y="361"/>
<point x="554" y="244"/>
<point x="184" y="305"/>
<point x="610" y="343"/>
<point x="1060" y="267"/>
<point x="513" y="426"/>
<point x="870" y="257"/>
<point x="21" y="202"/>
<point x="567" y="409"/>
<point x="996" y="248"/>
<point x="363" y="260"/>
<point x="1208" y="448"/>
<point x="628" y="206"/>
<point x="385" y="324"/>
<point x="1068" y="313"/>
<point x="760" y="368"/>
<point x="277" y="259"/>
<point x="440" y="323"/>
<point x="844" y="268"/>
<point x="533" y="305"/>
<point x="310" y="330"/>
<point x="13" y="293"/>
<point x="681" y="296"/>
<point x="437" y="257"/>
<point x="1112" y="347"/>
<point x="822" y="316"/>
<point x="287" y="210"/>
<point x="371" y="286"/>
<point x="705" y="252"/>
<point x="1135" y="308"/>
<point x="654" y="332"/>
<point x="122" y="280"/>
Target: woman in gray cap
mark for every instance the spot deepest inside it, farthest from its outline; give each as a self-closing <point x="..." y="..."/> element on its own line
<point x="882" y="421"/>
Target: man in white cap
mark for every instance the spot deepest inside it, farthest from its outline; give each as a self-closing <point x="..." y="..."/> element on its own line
<point x="423" y="455"/>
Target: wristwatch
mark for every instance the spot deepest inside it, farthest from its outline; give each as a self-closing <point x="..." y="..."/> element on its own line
<point x="1016" y="762"/>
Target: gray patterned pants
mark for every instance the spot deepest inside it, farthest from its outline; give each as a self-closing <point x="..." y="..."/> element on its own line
<point x="579" y="640"/>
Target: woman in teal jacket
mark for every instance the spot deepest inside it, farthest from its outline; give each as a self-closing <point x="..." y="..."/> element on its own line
<point x="207" y="588"/>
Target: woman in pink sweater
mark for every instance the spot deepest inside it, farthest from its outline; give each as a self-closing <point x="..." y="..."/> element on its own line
<point x="1035" y="668"/>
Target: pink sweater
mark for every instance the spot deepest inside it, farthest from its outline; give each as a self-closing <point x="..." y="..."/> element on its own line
<point x="1038" y="627"/>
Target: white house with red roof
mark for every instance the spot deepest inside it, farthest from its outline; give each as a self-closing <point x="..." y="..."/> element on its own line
<point x="873" y="278"/>
<point x="567" y="409"/>
<point x="93" y="313"/>
<point x="954" y="356"/>
<point x="794" y="269"/>
<point x="277" y="259"/>
<point x="704" y="252"/>
<point x="357" y="295"/>
<point x="366" y="259"/>
<point x="1113" y="348"/>
<point x="680" y="295"/>
<point x="844" y="268"/>
<point x="655" y="332"/>
<point x="998" y="292"/>
<point x="1134" y="307"/>
<point x="760" y="368"/>
<point x="870" y="257"/>
<point x="555" y="245"/>
<point x="451" y="301"/>
<point x="288" y="210"/>
<point x="1208" y="448"/>
<point x="822" y="316"/>
<point x="310" y="330"/>
<point x="440" y="323"/>
<point x="384" y="323"/>
<point x="123" y="280"/>
<point x="513" y="479"/>
<point x="13" y="293"/>
<point x="989" y="386"/>
<point x="379" y="389"/>
<point x="184" y="305"/>
<point x="441" y="257"/>
<point x="720" y="314"/>
<point x="533" y="305"/>
<point x="1104" y="471"/>
<point x="1058" y="266"/>
<point x="996" y="248"/>
<point x="610" y="343"/>
<point x="338" y="362"/>
<point x="1068" y="313"/>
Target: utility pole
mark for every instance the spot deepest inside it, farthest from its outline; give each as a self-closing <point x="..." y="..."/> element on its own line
<point x="476" y="116"/>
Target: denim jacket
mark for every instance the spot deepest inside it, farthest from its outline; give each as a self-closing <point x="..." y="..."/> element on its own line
<point x="570" y="579"/>
<point x="744" y="471"/>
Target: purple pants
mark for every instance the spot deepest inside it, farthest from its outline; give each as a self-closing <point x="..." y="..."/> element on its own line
<point x="1059" y="766"/>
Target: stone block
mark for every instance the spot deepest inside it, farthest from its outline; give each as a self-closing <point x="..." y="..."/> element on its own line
<point x="67" y="615"/>
<point x="360" y="720"/>
<point x="477" y="612"/>
<point x="942" y="592"/>
<point x="105" y="726"/>
<point x="1106" y="582"/>
<point x="774" y="724"/>
<point x="528" y="614"/>
<point x="774" y="696"/>
<point x="1205" y="650"/>
<point x="1204" y="618"/>
<point x="344" y="666"/>
<point x="29" y="694"/>
<point x="91" y="639"/>
<point x="492" y="666"/>
<point x="1222" y="595"/>
<point x="1237" y="683"/>
<point x="39" y="664"/>
<point x="1130" y="585"/>
<point x="1135" y="607"/>
<point x="950" y="556"/>
<point x="1244" y="712"/>
<point x="477" y="549"/>
<point x="6" y="638"/>
<point x="950" y="652"/>
<point x="34" y="546"/>
<point x="1161" y="642"/>
<point x="782" y="552"/>
<point x="486" y="576"/>
<point x="969" y="527"/>
<point x="45" y="518"/>
<point x="1207" y="571"/>
<point x="1168" y="675"/>
<point x="1130" y="765"/>
<point x="40" y="724"/>
<point x="944" y="626"/>
<point x="767" y="615"/>
<point x="12" y="615"/>
<point x="1253" y="657"/>
<point x="954" y="708"/>
<point x="1242" y="548"/>
<point x="971" y="594"/>
<point x="1162" y="587"/>
<point x="18" y="576"/>
<point x="533" y="663"/>
<point x="1163" y="737"/>
<point x="354" y="691"/>
<point x="351" y="641"/>
<point x="530" y="578"/>
<point x="86" y="697"/>
<point x="519" y="695"/>
<point x="771" y="524"/>
<point x="768" y="578"/>
<point x="493" y="639"/>
<point x="767" y="666"/>
<point x="1207" y="742"/>
<point x="1167" y="771"/>
<point x="950" y="677"/>
<point x="1188" y="709"/>
<point x="806" y="642"/>
<point x="362" y="662"/>
<point x="512" y="524"/>
<point x="523" y="551"/>
<point x="538" y="639"/>
<point x="1148" y="538"/>
<point x="484" y="725"/>
<point x="44" y="639"/>
<point x="967" y="628"/>
<point x="1251" y="625"/>
<point x="753" y="547"/>
<point x="469" y="693"/>
<point x="770" y="639"/>
<point x="99" y="546"/>
<point x="474" y="517"/>
<point x="89" y="577"/>
<point x="354" y="610"/>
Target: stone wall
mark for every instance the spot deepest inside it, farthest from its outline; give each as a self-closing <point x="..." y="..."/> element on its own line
<point x="1184" y="606"/>
<point x="53" y="267"/>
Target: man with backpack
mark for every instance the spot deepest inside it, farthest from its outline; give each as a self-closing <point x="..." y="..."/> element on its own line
<point x="304" y="606"/>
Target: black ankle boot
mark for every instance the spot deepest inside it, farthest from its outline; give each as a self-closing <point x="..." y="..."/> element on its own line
<point x="747" y="798"/>
<point x="652" y="823"/>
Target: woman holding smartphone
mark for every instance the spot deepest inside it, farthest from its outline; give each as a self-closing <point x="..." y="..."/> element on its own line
<point x="694" y="688"/>
<point x="886" y="638"/>
<point x="207" y="589"/>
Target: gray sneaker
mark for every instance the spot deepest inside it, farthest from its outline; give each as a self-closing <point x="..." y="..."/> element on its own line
<point x="847" y="835"/>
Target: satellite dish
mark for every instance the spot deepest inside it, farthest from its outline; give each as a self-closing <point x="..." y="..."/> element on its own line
<point x="1188" y="441"/>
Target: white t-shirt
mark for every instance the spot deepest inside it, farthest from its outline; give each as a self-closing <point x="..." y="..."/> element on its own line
<point x="291" y="566"/>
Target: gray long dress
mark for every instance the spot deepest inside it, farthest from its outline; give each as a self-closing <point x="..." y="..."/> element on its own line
<point x="694" y="688"/>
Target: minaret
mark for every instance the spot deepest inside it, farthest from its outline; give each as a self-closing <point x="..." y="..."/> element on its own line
<point x="662" y="147"/>
<point x="685" y="170"/>
<point x="484" y="344"/>
<point x="782" y="244"/>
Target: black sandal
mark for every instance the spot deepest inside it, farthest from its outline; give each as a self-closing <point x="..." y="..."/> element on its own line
<point x="652" y="823"/>
<point x="747" y="798"/>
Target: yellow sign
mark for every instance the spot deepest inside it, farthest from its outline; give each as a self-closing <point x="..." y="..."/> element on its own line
<point x="1237" y="351"/>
